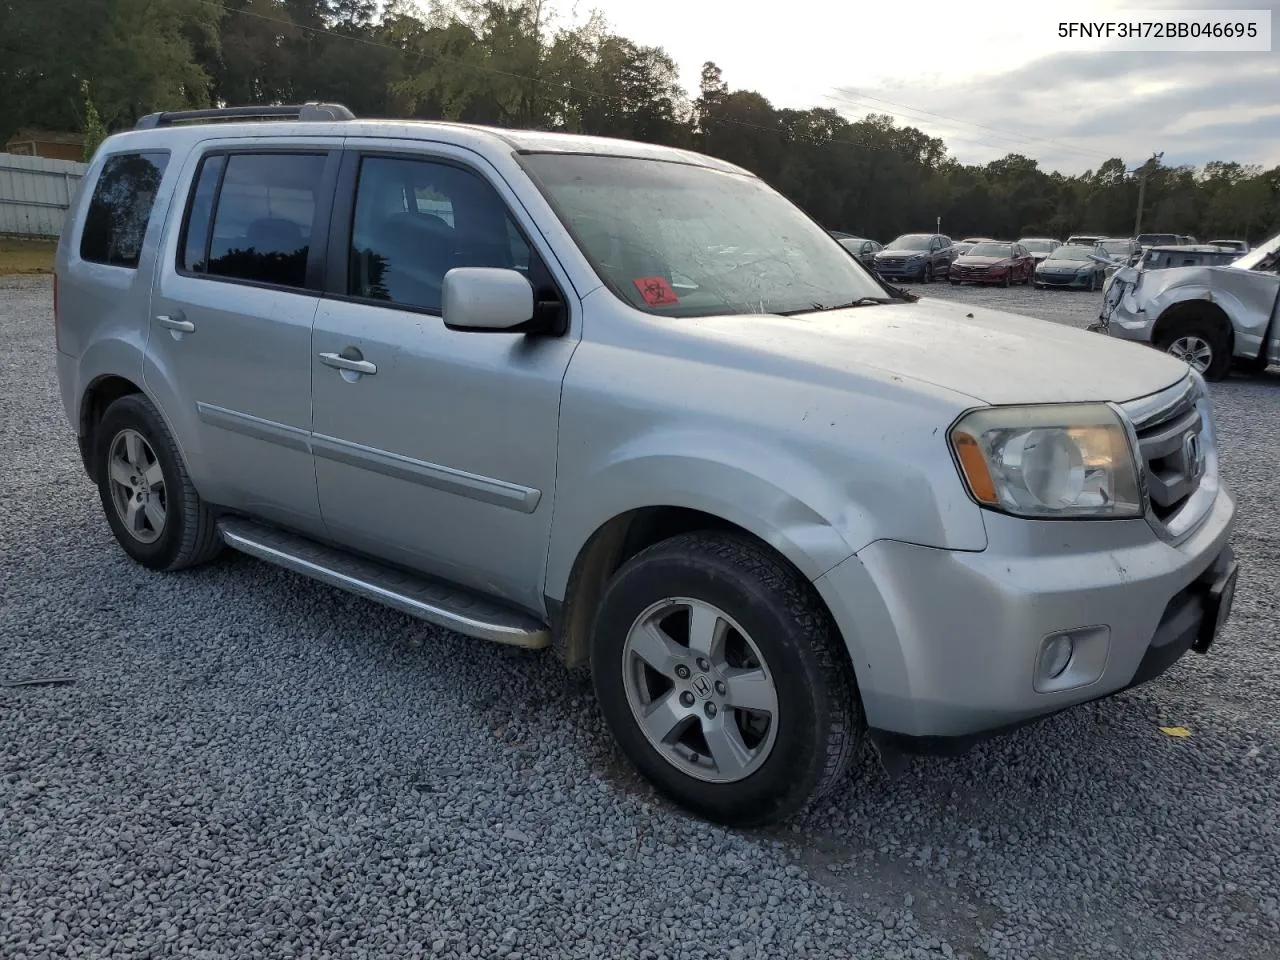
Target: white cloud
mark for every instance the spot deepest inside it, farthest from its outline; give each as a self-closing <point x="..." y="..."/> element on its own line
<point x="996" y="69"/>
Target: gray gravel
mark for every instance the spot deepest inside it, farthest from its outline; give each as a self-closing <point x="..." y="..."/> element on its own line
<point x="252" y="765"/>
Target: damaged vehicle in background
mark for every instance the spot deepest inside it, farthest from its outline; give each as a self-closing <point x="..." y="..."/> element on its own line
<point x="1208" y="316"/>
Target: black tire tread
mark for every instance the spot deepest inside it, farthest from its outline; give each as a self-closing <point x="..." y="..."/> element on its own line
<point x="1211" y="330"/>
<point x="842" y="710"/>
<point x="201" y="541"/>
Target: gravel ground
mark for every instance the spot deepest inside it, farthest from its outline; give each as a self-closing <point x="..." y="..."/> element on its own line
<point x="251" y="765"/>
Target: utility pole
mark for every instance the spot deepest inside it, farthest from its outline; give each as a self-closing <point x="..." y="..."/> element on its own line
<point x="1142" y="188"/>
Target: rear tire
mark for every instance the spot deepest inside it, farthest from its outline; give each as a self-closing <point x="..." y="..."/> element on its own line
<point x="778" y="649"/>
<point x="1201" y="342"/>
<point x="150" y="503"/>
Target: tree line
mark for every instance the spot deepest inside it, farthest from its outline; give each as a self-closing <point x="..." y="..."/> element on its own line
<point x="97" y="65"/>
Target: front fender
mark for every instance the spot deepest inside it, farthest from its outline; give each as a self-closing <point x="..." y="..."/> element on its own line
<point x="813" y="519"/>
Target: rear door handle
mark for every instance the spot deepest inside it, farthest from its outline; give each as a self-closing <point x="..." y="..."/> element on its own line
<point x="176" y="323"/>
<point x="340" y="362"/>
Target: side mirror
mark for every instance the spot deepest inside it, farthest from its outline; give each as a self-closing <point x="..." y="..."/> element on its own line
<point x="487" y="300"/>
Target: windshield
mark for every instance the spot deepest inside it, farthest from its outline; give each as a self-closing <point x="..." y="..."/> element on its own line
<point x="991" y="250"/>
<point x="852" y="243"/>
<point x="1038" y="246"/>
<point x="911" y="241"/>
<point x="1072" y="252"/>
<point x="1157" y="239"/>
<point x="734" y="244"/>
<point x="1115" y="246"/>
<point x="1265" y="257"/>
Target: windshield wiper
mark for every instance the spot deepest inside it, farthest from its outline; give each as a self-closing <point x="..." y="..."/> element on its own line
<point x="820" y="308"/>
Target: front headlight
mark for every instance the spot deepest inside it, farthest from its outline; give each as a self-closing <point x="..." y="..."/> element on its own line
<point x="1049" y="461"/>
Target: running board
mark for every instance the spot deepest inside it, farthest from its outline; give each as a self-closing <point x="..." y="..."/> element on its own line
<point x="439" y="603"/>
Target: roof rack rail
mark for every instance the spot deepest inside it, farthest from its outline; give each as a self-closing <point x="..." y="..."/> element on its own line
<point x="310" y="111"/>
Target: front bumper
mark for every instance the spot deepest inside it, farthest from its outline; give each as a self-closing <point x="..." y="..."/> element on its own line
<point x="901" y="271"/>
<point x="1121" y="319"/>
<point x="945" y="643"/>
<point x="976" y="276"/>
<point x="1073" y="280"/>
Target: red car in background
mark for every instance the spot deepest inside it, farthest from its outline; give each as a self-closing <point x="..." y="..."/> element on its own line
<point x="994" y="261"/>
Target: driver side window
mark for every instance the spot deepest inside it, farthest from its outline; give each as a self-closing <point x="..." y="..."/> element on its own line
<point x="414" y="220"/>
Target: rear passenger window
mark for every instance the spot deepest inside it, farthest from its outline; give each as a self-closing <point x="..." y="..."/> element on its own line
<point x="263" y="212"/>
<point x="116" y="223"/>
<point x="195" y="243"/>
<point x="415" y="220"/>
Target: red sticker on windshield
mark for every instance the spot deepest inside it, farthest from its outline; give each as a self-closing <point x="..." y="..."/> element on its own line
<point x="656" y="291"/>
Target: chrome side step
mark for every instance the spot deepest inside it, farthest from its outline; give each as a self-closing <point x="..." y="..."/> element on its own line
<point x="436" y="602"/>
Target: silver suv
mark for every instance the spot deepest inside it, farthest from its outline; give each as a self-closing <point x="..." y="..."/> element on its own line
<point x="628" y="403"/>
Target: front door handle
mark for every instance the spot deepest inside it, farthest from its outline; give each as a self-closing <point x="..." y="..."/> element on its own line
<point x="354" y="364"/>
<point x="176" y="323"/>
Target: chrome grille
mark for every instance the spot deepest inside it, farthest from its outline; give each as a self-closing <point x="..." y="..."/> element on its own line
<point x="1177" y="455"/>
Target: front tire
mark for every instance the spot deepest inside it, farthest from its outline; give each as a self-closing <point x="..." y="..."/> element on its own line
<point x="150" y="503"/>
<point x="724" y="680"/>
<point x="1200" y="342"/>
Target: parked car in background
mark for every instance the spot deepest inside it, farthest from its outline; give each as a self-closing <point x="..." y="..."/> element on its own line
<point x="1072" y="265"/>
<point x="916" y="256"/>
<point x="1187" y="240"/>
<point x="1240" y="246"/>
<point x="1205" y="315"/>
<point x="1157" y="240"/>
<point x="965" y="245"/>
<point x="1086" y="239"/>
<point x="994" y="261"/>
<point x="1040" y="247"/>
<point x="1122" y="250"/>
<point x="864" y="250"/>
<point x="782" y="515"/>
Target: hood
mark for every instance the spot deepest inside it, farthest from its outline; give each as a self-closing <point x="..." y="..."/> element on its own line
<point x="902" y="253"/>
<point x="986" y="355"/>
<point x="1049" y="263"/>
<point x="968" y="261"/>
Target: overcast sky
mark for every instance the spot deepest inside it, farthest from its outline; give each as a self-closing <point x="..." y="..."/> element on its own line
<point x="994" y="69"/>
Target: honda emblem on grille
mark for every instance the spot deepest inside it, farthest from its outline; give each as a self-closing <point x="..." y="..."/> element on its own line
<point x="1193" y="455"/>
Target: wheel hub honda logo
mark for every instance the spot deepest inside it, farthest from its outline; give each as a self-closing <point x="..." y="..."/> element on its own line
<point x="1193" y="455"/>
<point x="702" y="686"/>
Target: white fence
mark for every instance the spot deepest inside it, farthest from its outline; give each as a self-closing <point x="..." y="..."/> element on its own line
<point x="35" y="193"/>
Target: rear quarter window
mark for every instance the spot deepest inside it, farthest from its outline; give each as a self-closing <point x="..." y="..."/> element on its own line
<point x="115" y="224"/>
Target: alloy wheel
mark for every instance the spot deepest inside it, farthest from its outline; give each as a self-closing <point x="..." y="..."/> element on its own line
<point x="137" y="486"/>
<point x="1194" y="350"/>
<point x="700" y="691"/>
